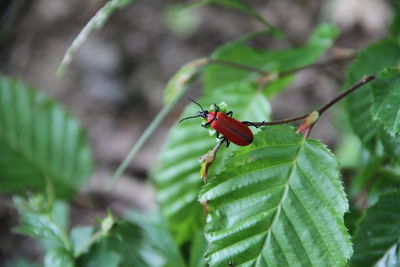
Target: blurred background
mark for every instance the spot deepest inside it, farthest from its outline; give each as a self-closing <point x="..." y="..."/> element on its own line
<point x="115" y="83"/>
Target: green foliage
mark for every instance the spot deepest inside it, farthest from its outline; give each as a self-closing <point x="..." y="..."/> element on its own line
<point x="373" y="59"/>
<point x="39" y="143"/>
<point x="176" y="175"/>
<point x="198" y="249"/>
<point x="218" y="75"/>
<point x="279" y="202"/>
<point x="37" y="221"/>
<point x="79" y="238"/>
<point x="158" y="248"/>
<point x="379" y="232"/>
<point x="117" y="248"/>
<point x="58" y="257"/>
<point x="385" y="100"/>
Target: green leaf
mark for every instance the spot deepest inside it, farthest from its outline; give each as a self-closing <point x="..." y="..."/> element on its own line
<point x="278" y="201"/>
<point x="374" y="58"/>
<point x="80" y="236"/>
<point x="278" y="85"/>
<point x="102" y="258"/>
<point x="58" y="257"/>
<point x="176" y="175"/>
<point x="387" y="179"/>
<point x="59" y="213"/>
<point x="386" y="100"/>
<point x="198" y="250"/>
<point x="352" y="218"/>
<point x="218" y="75"/>
<point x="157" y="247"/>
<point x="39" y="141"/>
<point x="96" y="22"/>
<point x="379" y="231"/>
<point x="391" y="144"/>
<point x="119" y="247"/>
<point x="182" y="78"/>
<point x="36" y="221"/>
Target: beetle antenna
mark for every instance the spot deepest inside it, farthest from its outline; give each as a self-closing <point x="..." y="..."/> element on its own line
<point x="191" y="117"/>
<point x="202" y="109"/>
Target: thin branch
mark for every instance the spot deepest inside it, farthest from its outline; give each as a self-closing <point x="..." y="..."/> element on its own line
<point x="320" y="110"/>
<point x="363" y="81"/>
<point x="265" y="123"/>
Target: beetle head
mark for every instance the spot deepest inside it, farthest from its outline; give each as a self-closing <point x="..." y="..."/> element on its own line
<point x="203" y="113"/>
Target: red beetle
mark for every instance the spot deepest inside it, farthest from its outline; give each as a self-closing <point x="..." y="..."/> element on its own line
<point x="232" y="130"/>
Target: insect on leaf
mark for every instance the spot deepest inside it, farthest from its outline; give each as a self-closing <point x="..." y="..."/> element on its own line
<point x="278" y="201"/>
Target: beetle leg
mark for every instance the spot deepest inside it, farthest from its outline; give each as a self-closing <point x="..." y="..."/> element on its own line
<point x="216" y="112"/>
<point x="227" y="142"/>
<point x="218" y="135"/>
<point x="205" y="124"/>
<point x="249" y="123"/>
<point x="230" y="113"/>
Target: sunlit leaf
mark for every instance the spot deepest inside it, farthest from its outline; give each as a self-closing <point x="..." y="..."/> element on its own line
<point x="39" y="142"/>
<point x="278" y="201"/>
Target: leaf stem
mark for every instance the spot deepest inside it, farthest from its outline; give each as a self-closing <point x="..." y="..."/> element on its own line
<point x="320" y="110"/>
<point x="145" y="136"/>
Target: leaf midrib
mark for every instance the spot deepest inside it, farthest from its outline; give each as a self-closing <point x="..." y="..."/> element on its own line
<point x="283" y="197"/>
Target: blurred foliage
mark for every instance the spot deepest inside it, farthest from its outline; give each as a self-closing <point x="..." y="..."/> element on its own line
<point x="181" y="21"/>
<point x="39" y="143"/>
<point x="379" y="233"/>
<point x="276" y="202"/>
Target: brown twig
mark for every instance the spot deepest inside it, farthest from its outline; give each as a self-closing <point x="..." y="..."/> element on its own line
<point x="320" y="110"/>
<point x="363" y="81"/>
